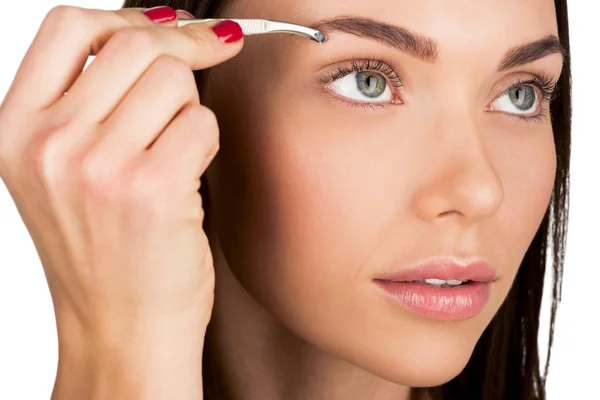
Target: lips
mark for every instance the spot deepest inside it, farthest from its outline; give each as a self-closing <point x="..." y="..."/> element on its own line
<point x="478" y="271"/>
<point x="441" y="289"/>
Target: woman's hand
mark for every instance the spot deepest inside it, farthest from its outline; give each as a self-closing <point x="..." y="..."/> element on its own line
<point x="106" y="180"/>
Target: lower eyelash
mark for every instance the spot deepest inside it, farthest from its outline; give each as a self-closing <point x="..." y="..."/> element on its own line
<point x="544" y="116"/>
<point x="356" y="104"/>
<point x="545" y="83"/>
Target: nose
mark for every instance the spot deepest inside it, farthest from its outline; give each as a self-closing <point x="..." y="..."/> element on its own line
<point x="461" y="180"/>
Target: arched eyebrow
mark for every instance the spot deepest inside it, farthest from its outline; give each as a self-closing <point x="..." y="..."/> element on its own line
<point x="532" y="51"/>
<point x="426" y="48"/>
<point x="387" y="34"/>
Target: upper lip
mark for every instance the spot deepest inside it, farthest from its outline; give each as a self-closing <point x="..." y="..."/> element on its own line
<point x="447" y="269"/>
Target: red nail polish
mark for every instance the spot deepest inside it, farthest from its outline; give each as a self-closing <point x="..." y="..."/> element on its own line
<point x="228" y="31"/>
<point x="161" y="14"/>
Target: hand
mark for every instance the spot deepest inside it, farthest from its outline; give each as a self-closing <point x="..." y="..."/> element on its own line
<point x="106" y="177"/>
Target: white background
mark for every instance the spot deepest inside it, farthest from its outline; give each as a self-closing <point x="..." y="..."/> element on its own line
<point x="28" y="349"/>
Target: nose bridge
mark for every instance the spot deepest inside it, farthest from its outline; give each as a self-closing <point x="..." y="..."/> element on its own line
<point x="462" y="179"/>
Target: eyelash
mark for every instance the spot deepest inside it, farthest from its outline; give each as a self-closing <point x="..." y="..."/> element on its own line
<point x="548" y="88"/>
<point x="546" y="85"/>
<point x="379" y="65"/>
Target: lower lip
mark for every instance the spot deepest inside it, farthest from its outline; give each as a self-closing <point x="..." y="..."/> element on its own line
<point x="461" y="302"/>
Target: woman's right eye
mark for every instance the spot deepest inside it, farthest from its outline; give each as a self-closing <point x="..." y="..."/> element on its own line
<point x="363" y="86"/>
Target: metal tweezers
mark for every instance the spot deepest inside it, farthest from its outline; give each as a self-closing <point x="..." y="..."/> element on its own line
<point x="260" y="26"/>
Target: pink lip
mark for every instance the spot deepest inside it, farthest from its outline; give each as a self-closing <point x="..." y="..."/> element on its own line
<point x="461" y="302"/>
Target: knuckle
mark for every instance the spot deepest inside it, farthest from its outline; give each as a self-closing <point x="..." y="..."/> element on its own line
<point x="207" y="119"/>
<point x="138" y="190"/>
<point x="175" y="70"/>
<point x="64" y="17"/>
<point x="97" y="180"/>
<point x="146" y="190"/>
<point x="208" y="141"/>
<point x="202" y="119"/>
<point x="61" y="13"/>
<point x="45" y="155"/>
<point x="133" y="37"/>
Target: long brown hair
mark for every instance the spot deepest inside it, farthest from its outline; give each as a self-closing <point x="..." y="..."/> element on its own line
<point x="505" y="363"/>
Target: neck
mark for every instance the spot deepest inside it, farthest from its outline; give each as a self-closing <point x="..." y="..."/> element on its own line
<point x="250" y="355"/>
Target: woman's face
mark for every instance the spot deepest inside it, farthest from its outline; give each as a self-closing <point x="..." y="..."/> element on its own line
<point x="348" y="161"/>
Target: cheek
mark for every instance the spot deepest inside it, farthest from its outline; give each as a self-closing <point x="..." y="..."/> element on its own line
<point x="527" y="166"/>
<point x="296" y="205"/>
<point x="295" y="198"/>
<point x="528" y="171"/>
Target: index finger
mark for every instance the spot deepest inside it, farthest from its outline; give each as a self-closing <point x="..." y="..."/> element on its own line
<point x="59" y="51"/>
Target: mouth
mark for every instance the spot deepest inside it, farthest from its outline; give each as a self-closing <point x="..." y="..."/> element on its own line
<point x="441" y="283"/>
<point x="442" y="289"/>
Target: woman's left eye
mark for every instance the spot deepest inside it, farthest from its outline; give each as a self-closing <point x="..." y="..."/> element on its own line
<point x="363" y="86"/>
<point x="522" y="100"/>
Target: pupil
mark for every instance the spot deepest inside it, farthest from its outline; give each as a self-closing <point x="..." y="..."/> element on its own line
<point x="370" y="84"/>
<point x="523" y="97"/>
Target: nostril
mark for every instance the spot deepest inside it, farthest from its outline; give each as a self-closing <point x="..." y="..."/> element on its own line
<point x="451" y="212"/>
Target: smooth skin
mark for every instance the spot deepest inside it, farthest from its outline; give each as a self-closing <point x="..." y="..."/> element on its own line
<point x="106" y="180"/>
<point x="310" y="199"/>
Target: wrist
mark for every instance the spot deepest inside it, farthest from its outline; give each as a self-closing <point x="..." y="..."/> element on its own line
<point x="137" y="360"/>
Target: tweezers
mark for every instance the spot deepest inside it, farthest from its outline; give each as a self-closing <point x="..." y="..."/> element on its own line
<point x="260" y="26"/>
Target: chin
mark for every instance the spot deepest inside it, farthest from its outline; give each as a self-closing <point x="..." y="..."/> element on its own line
<point x="416" y="362"/>
<point x="429" y="370"/>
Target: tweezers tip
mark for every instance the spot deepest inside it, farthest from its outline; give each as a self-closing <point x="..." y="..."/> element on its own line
<point x="320" y="37"/>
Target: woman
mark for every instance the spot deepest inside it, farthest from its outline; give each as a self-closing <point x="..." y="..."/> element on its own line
<point x="420" y="133"/>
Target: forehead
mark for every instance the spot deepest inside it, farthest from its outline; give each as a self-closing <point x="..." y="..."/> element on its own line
<point x="451" y="23"/>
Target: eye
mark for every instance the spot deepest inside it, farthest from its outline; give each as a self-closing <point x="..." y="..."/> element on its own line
<point x="522" y="99"/>
<point x="363" y="86"/>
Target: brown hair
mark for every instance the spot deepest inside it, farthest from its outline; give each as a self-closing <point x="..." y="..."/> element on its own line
<point x="505" y="363"/>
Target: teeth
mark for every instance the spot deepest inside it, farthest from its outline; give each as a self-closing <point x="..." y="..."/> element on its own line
<point x="435" y="281"/>
<point x="440" y="282"/>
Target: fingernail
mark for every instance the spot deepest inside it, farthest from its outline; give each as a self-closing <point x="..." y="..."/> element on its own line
<point x="189" y="14"/>
<point x="228" y="31"/>
<point x="161" y="14"/>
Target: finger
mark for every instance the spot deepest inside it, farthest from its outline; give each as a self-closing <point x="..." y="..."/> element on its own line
<point x="183" y="14"/>
<point x="60" y="49"/>
<point x="187" y="145"/>
<point x="166" y="87"/>
<point x="129" y="52"/>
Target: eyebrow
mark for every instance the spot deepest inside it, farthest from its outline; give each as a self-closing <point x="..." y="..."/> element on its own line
<point x="426" y="48"/>
<point x="389" y="35"/>
<point x="532" y="51"/>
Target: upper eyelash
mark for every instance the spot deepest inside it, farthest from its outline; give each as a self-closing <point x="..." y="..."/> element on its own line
<point x="545" y="83"/>
<point x="366" y="64"/>
<point x="549" y="88"/>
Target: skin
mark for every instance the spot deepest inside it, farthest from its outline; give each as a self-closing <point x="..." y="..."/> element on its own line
<point x="311" y="199"/>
